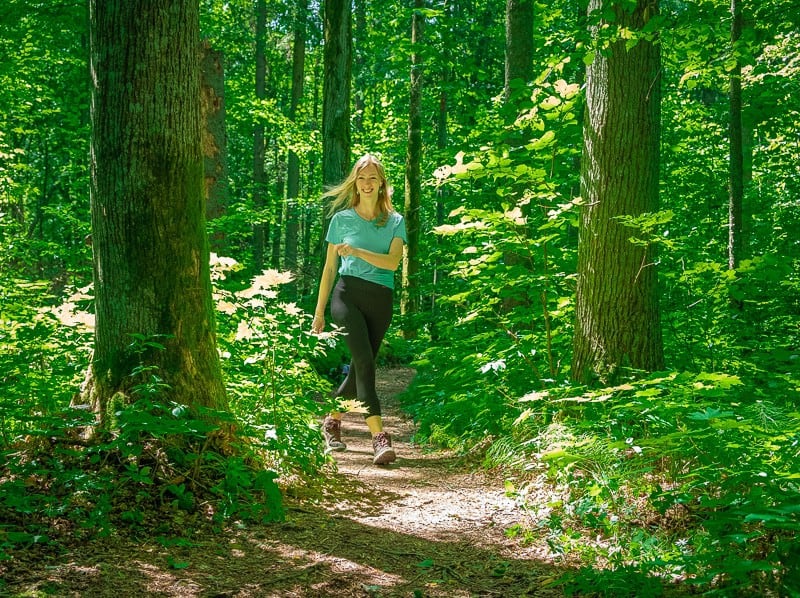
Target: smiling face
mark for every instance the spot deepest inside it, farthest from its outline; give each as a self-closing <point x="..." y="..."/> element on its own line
<point x="368" y="183"/>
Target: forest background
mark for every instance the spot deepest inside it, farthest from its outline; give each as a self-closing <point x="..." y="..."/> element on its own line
<point x="678" y="459"/>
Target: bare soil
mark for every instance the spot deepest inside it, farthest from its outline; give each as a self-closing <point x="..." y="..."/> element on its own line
<point x="427" y="525"/>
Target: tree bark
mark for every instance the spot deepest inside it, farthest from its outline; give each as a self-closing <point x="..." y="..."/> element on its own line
<point x="362" y="66"/>
<point x="617" y="316"/>
<point x="409" y="304"/>
<point x="519" y="43"/>
<point x="336" y="84"/>
<point x="260" y="230"/>
<point x="151" y="256"/>
<point x="518" y="68"/>
<point x="293" y="162"/>
<point x="277" y="217"/>
<point x="736" y="160"/>
<point x="215" y="149"/>
<point x="337" y="60"/>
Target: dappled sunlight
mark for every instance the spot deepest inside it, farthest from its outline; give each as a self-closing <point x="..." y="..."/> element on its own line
<point x="426" y="496"/>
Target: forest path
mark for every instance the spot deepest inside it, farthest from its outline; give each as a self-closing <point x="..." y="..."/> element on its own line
<point x="425" y="526"/>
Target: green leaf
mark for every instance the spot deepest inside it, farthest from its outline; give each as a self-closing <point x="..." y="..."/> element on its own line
<point x="710" y="414"/>
<point x="544" y="141"/>
<point x="176" y="564"/>
<point x="765" y="517"/>
<point x="720" y="380"/>
<point x="426" y="564"/>
<point x="560" y="457"/>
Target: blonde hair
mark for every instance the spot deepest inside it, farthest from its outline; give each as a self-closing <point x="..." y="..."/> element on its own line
<point x="345" y="194"/>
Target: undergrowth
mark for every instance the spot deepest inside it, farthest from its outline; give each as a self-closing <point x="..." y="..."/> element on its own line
<point x="685" y="480"/>
<point x="164" y="468"/>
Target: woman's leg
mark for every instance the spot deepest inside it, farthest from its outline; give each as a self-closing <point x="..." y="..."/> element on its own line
<point x="364" y="310"/>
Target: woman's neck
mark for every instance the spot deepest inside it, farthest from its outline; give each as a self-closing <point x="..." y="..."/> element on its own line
<point x="366" y="211"/>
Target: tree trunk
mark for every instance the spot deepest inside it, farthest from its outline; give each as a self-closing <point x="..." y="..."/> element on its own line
<point x="411" y="266"/>
<point x="736" y="163"/>
<point x="441" y="199"/>
<point x="518" y="69"/>
<point x="277" y="217"/>
<point x="215" y="150"/>
<point x="151" y="256"/>
<point x="362" y="66"/>
<point x="337" y="59"/>
<point x="519" y="43"/>
<point x="617" y="317"/>
<point x="336" y="71"/>
<point x="259" y="143"/>
<point x="293" y="162"/>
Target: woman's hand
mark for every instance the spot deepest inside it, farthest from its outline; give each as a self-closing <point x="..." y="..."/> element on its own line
<point x="387" y="261"/>
<point x="344" y="250"/>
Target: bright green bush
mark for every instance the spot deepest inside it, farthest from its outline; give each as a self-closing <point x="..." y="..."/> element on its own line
<point x="503" y="315"/>
<point x="276" y="370"/>
<point x="692" y="475"/>
<point x="167" y="468"/>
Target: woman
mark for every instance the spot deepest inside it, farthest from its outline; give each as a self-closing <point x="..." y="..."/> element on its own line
<point x="367" y="235"/>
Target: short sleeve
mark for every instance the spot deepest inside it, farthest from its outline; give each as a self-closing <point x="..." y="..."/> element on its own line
<point x="335" y="230"/>
<point x="400" y="229"/>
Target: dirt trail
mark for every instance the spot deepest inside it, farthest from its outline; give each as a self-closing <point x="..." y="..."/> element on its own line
<point x="425" y="494"/>
<point x="424" y="526"/>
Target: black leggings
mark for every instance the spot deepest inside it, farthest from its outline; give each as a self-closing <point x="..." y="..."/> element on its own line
<point x="364" y="310"/>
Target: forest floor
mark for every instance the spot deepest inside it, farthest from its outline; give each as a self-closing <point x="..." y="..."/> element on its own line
<point x="427" y="525"/>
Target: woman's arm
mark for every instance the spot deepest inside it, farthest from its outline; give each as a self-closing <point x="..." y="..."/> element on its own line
<point x="325" y="286"/>
<point x="387" y="261"/>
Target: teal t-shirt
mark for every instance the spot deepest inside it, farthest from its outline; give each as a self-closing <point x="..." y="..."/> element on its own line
<point x="348" y="227"/>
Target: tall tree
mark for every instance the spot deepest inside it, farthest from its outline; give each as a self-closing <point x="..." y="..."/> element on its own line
<point x="151" y="257"/>
<point x="736" y="160"/>
<point x="519" y="70"/>
<point x="215" y="147"/>
<point x="338" y="58"/>
<point x="277" y="216"/>
<point x="519" y="42"/>
<point x="441" y="198"/>
<point x="617" y="316"/>
<point x="413" y="182"/>
<point x="260" y="229"/>
<point x="360" y="59"/>
<point x="293" y="161"/>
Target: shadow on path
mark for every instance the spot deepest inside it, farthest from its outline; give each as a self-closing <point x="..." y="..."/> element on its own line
<point x="421" y="527"/>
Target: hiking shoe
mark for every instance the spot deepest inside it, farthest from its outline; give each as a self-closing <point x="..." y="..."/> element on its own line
<point x="384" y="453"/>
<point x="332" y="432"/>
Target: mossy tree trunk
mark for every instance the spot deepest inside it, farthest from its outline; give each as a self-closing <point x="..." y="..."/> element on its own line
<point x="617" y="314"/>
<point x="151" y="255"/>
